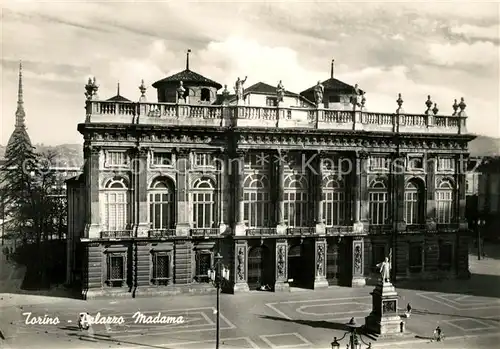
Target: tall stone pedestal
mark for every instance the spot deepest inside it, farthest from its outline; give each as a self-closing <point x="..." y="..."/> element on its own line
<point x="384" y="318"/>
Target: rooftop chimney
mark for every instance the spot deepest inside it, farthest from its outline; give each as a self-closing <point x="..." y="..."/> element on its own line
<point x="331" y="72"/>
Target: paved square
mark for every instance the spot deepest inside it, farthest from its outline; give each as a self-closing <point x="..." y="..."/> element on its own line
<point x="233" y="343"/>
<point x="469" y="324"/>
<point x="462" y="302"/>
<point x="332" y="309"/>
<point x="285" y="340"/>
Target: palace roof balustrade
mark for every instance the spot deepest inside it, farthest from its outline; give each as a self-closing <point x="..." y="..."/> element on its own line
<point x="169" y="114"/>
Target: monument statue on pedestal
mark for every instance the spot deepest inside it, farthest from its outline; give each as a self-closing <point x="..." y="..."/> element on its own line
<point x="384" y="318"/>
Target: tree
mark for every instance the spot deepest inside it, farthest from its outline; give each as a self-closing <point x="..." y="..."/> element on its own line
<point x="27" y="187"/>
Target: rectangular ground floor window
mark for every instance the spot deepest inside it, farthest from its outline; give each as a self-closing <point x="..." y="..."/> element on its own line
<point x="116" y="269"/>
<point x="415" y="258"/>
<point x="161" y="268"/>
<point x="445" y="256"/>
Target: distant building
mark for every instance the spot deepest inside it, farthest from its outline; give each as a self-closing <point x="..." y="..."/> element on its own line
<point x="302" y="190"/>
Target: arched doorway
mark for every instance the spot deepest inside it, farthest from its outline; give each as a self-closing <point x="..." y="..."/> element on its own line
<point x="259" y="267"/>
<point x="297" y="266"/>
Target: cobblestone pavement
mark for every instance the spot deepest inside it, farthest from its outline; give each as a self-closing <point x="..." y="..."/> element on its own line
<point x="468" y="315"/>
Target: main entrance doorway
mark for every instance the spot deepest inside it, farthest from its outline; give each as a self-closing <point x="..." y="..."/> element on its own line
<point x="298" y="270"/>
<point x="260" y="267"/>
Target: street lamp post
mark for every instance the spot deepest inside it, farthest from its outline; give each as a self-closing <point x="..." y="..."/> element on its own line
<point x="354" y="337"/>
<point x="218" y="275"/>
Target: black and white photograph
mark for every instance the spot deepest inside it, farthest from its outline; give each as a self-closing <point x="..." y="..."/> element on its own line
<point x="249" y="174"/>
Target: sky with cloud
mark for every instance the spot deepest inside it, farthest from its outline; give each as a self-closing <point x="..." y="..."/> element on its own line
<point x="445" y="49"/>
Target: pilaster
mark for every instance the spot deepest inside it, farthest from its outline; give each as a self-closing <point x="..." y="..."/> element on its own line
<point x="239" y="177"/>
<point x="240" y="266"/>
<point x="281" y="264"/>
<point x="140" y="181"/>
<point x="430" y="194"/>
<point x="398" y="174"/>
<point x="358" y="257"/>
<point x="461" y="168"/>
<point x="223" y="191"/>
<point x="320" y="264"/>
<point x="92" y="227"/>
<point x="182" y="166"/>
<point x="320" y="224"/>
<point x="280" y="208"/>
<point x="360" y="194"/>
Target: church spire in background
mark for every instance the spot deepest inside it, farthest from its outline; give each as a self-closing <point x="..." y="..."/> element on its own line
<point x="20" y="114"/>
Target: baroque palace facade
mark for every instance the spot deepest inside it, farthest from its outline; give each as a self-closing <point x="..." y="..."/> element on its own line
<point x="303" y="190"/>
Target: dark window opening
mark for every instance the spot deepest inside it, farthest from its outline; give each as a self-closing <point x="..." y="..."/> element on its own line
<point x="445" y="256"/>
<point x="205" y="94"/>
<point x="415" y="258"/>
<point x="203" y="265"/>
<point x="116" y="270"/>
<point x="161" y="268"/>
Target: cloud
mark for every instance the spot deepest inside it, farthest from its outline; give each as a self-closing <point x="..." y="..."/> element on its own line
<point x="478" y="32"/>
<point x="477" y="53"/>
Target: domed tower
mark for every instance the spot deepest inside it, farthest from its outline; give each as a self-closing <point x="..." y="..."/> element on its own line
<point x="20" y="127"/>
<point x="198" y="89"/>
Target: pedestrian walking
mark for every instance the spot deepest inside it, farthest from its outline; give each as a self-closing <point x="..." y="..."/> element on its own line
<point x="408" y="310"/>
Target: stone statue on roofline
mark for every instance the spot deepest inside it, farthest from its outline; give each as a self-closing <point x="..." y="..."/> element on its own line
<point x="385" y="270"/>
<point x="180" y="91"/>
<point x="238" y="88"/>
<point x="280" y="91"/>
<point x="319" y="90"/>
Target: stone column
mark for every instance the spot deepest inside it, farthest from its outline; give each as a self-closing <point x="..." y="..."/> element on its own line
<point x="239" y="205"/>
<point x="358" y="261"/>
<point x="182" y="168"/>
<point x="280" y="185"/>
<point x="281" y="266"/>
<point x="140" y="180"/>
<point x="461" y="169"/>
<point x="240" y="266"/>
<point x="361" y="209"/>
<point x="320" y="223"/>
<point x="320" y="264"/>
<point x="223" y="191"/>
<point x="92" y="164"/>
<point x="430" y="213"/>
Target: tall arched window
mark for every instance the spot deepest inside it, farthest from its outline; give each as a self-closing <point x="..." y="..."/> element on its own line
<point x="115" y="215"/>
<point x="162" y="204"/>
<point x="333" y="202"/>
<point x="444" y="202"/>
<point x="296" y="199"/>
<point x="414" y="203"/>
<point x="256" y="200"/>
<point x="378" y="202"/>
<point x="203" y="199"/>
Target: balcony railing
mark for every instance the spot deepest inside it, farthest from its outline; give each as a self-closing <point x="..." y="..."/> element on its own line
<point x="161" y="233"/>
<point x="381" y="229"/>
<point x="340" y="230"/>
<point x="414" y="228"/>
<point x="301" y="231"/>
<point x="258" y="116"/>
<point x="116" y="234"/>
<point x="205" y="232"/>
<point x="447" y="226"/>
<point x="261" y="231"/>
